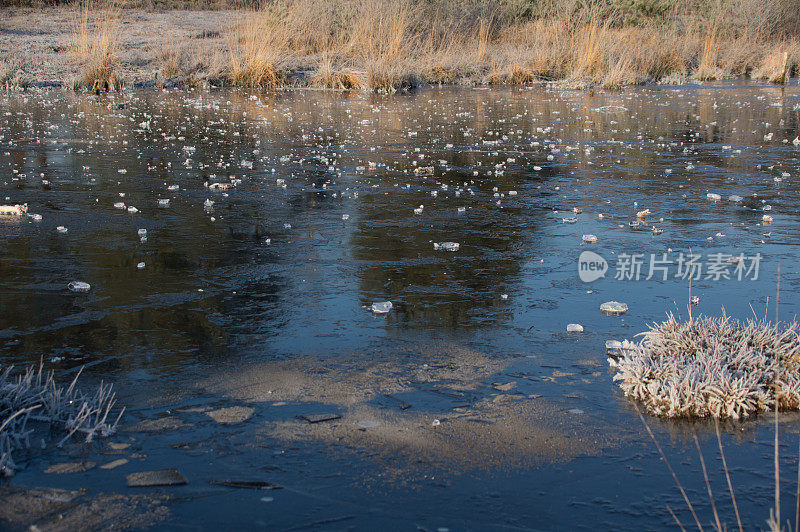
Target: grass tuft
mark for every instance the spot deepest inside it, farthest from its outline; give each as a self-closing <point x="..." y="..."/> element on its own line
<point x="327" y="77"/>
<point x="715" y="367"/>
<point x="12" y="76"/>
<point x="94" y="44"/>
<point x="33" y="397"/>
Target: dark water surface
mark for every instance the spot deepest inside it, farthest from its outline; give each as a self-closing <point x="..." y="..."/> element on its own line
<point x="329" y="179"/>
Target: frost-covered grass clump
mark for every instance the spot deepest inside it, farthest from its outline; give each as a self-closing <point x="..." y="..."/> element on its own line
<point x="716" y="367"/>
<point x="33" y="397"/>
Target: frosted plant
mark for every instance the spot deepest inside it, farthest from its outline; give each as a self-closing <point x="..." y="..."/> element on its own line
<point x="34" y="397"/>
<point x="716" y="367"/>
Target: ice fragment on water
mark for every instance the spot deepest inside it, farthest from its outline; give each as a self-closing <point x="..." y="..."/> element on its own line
<point x="613" y="308"/>
<point x="79" y="286"/>
<point x="381" y="307"/>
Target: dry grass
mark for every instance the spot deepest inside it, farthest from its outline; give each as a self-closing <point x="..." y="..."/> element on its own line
<point x="256" y="47"/>
<point x="189" y="63"/>
<point x="95" y="35"/>
<point x="708" y="68"/>
<point x="384" y="77"/>
<point x="327" y="77"/>
<point x="386" y="45"/>
<point x="11" y="74"/>
<point x="775" y="67"/>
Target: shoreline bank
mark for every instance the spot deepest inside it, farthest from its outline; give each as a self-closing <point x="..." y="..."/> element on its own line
<point x="385" y="49"/>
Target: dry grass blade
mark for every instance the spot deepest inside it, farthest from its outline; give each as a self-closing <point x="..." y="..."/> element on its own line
<point x="672" y="471"/>
<point x="776" y="518"/>
<point x="675" y="517"/>
<point x="797" y="493"/>
<point x="708" y="484"/>
<point x="728" y="477"/>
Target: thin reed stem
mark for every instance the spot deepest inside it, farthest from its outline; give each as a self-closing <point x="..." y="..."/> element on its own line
<point x="708" y="483"/>
<point x="728" y="477"/>
<point x="672" y="472"/>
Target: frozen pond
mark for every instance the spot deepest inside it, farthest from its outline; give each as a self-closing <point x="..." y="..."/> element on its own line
<point x="467" y="405"/>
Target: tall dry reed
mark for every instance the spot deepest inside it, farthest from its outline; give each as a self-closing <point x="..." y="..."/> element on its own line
<point x="384" y="45"/>
<point x="94" y="44"/>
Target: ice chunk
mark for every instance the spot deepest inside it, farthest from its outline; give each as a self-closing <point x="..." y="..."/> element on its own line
<point x="381" y="307"/>
<point x="574" y="327"/>
<point x="713" y="197"/>
<point x="589" y="239"/>
<point x="613" y="347"/>
<point x="79" y="286"/>
<point x="446" y="246"/>
<point x="613" y="308"/>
